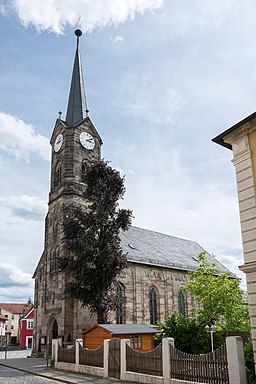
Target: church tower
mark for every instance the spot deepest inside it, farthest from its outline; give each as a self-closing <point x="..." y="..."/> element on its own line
<point x="75" y="141"/>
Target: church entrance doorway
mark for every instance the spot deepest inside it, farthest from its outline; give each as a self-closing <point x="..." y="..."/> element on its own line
<point x="52" y="333"/>
<point x="55" y="330"/>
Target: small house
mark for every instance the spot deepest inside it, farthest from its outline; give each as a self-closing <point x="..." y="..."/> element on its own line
<point x="26" y="330"/>
<point x="2" y="324"/>
<point x="13" y="312"/>
<point x="141" y="336"/>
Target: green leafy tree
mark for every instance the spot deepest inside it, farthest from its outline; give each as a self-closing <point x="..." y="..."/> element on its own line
<point x="218" y="296"/>
<point x="94" y="259"/>
<point x="189" y="335"/>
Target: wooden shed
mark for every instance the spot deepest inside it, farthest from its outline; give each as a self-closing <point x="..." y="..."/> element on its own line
<point x="141" y="336"/>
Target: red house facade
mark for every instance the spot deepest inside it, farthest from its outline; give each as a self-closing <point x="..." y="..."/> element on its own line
<point x="26" y="330"/>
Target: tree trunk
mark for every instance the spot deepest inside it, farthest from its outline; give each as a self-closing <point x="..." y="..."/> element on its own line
<point x="102" y="318"/>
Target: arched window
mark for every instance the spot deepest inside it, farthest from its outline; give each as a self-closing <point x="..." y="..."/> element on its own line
<point x="153" y="301"/>
<point x="57" y="255"/>
<point x="52" y="261"/>
<point x="83" y="169"/>
<point x="181" y="304"/>
<point x="120" y="304"/>
<point x="57" y="175"/>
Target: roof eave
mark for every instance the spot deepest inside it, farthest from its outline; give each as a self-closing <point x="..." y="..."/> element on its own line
<point x="220" y="138"/>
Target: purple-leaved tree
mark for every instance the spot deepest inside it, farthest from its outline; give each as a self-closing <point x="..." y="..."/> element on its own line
<point x="93" y="256"/>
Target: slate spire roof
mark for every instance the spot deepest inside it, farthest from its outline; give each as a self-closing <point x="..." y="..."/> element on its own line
<point x="77" y="107"/>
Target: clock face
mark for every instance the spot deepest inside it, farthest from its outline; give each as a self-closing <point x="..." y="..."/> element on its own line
<point x="87" y="140"/>
<point x="58" y="142"/>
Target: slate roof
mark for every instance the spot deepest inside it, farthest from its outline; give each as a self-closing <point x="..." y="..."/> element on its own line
<point x="120" y="329"/>
<point x="148" y="247"/>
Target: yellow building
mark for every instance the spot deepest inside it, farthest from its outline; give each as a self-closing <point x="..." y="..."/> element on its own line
<point x="241" y="139"/>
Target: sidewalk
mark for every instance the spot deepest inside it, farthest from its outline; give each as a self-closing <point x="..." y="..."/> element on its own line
<point x="38" y="366"/>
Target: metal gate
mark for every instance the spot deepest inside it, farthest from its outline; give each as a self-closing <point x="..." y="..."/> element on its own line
<point x="114" y="359"/>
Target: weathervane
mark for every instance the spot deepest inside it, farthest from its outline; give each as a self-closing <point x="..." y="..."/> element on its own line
<point x="78" y="31"/>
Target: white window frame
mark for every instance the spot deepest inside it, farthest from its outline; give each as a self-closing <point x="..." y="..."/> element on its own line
<point x="30" y="324"/>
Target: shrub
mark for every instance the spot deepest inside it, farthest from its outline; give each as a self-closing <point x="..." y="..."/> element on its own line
<point x="249" y="363"/>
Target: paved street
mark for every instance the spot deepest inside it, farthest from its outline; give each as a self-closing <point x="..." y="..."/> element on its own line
<point x="13" y="376"/>
<point x="18" y="354"/>
<point x="19" y="369"/>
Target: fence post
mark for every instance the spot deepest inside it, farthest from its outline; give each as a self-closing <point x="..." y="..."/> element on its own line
<point x="105" y="359"/>
<point x="55" y="346"/>
<point x="235" y="357"/>
<point x="166" y="358"/>
<point x="123" y="359"/>
<point x="78" y="342"/>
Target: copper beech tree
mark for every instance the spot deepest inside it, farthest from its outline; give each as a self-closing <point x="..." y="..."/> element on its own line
<point x="93" y="256"/>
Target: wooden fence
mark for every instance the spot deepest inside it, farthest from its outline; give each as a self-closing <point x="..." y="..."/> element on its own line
<point x="211" y="368"/>
<point x="92" y="357"/>
<point x="149" y="363"/>
<point x="67" y="355"/>
<point x="165" y="363"/>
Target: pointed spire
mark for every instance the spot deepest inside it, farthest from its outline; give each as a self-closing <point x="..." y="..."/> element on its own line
<point x="77" y="107"/>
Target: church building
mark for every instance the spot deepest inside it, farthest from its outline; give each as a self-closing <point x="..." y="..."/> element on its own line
<point x="149" y="290"/>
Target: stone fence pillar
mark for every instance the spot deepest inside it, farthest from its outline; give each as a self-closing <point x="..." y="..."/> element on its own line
<point x="105" y="359"/>
<point x="166" y="342"/>
<point x="78" y="342"/>
<point x="123" y="358"/>
<point x="55" y="346"/>
<point x="235" y="356"/>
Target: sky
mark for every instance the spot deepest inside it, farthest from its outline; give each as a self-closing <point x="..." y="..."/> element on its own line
<point x="162" y="78"/>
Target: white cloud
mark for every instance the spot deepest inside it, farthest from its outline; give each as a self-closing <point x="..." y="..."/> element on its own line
<point x="232" y="262"/>
<point x="118" y="39"/>
<point x="21" y="140"/>
<point x="53" y="15"/>
<point x="27" y="207"/>
<point x="15" y="285"/>
<point x="11" y="275"/>
<point x="21" y="244"/>
<point x="2" y="8"/>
